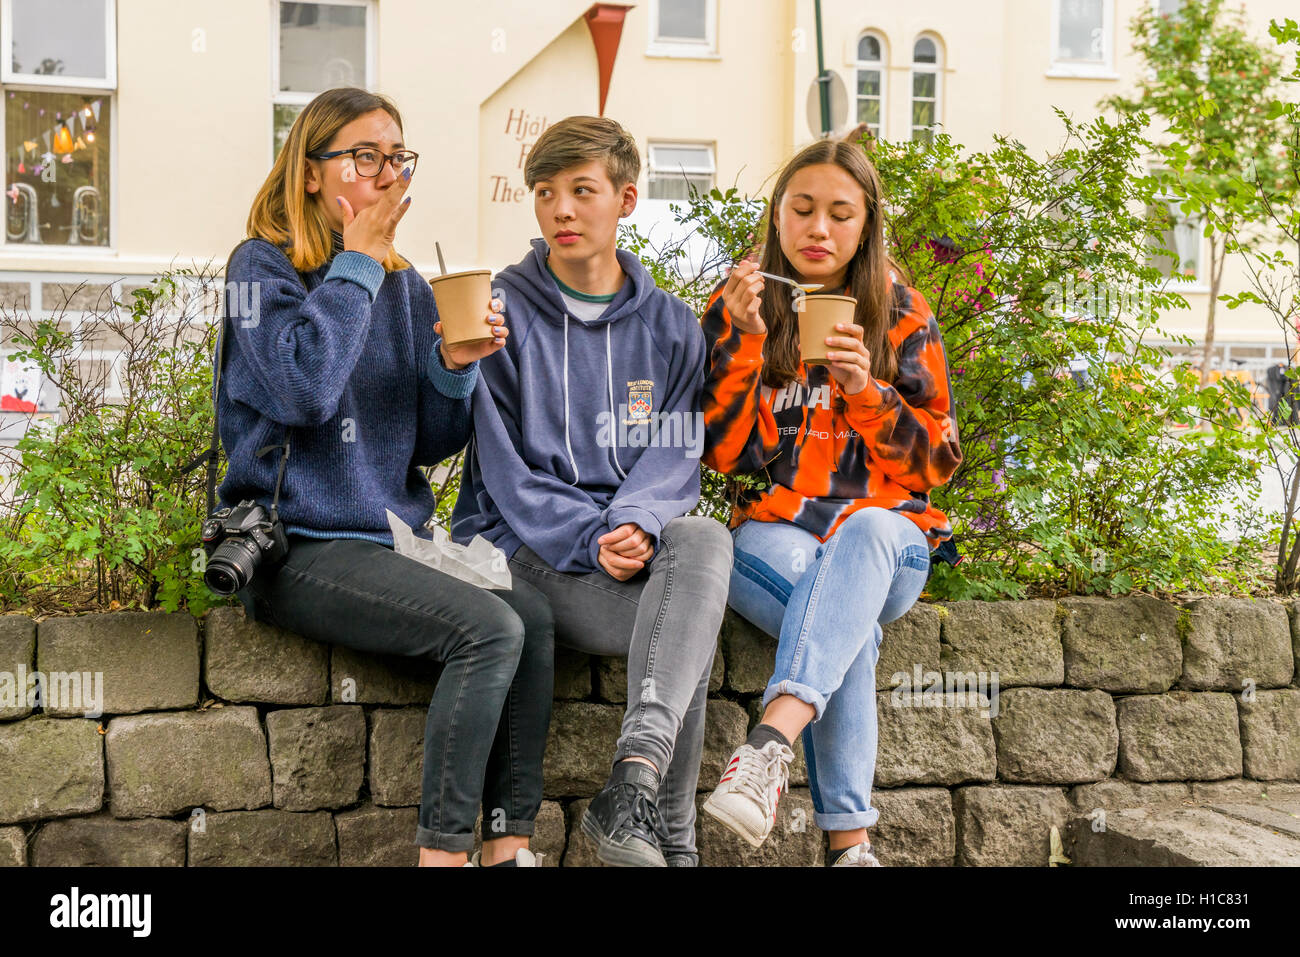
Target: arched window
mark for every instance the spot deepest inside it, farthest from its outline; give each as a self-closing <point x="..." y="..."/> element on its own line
<point x="871" y="82"/>
<point x="927" y="87"/>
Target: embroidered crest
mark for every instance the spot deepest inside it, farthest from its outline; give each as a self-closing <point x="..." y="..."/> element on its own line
<point x="640" y="401"/>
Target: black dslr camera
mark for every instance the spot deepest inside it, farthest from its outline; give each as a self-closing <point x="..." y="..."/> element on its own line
<point x="237" y="541"/>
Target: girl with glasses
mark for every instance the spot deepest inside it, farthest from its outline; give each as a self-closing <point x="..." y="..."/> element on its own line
<point x="333" y="342"/>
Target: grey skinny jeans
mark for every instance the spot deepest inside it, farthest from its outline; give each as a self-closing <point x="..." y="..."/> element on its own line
<point x="665" y="621"/>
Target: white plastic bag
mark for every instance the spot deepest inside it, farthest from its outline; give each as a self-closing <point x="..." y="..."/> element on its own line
<point x="480" y="562"/>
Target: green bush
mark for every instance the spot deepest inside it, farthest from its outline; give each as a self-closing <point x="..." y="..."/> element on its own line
<point x="97" y="513"/>
<point x="1103" y="489"/>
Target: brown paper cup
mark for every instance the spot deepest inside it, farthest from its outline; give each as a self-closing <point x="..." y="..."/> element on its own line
<point x="817" y="321"/>
<point x="464" y="300"/>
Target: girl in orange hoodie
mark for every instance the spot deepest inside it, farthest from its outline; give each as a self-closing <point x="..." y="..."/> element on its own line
<point x="839" y="541"/>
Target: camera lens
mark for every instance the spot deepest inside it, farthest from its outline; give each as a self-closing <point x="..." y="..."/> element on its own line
<point x="231" y="566"/>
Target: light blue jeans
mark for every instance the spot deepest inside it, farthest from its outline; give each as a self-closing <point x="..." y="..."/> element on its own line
<point x="826" y="603"/>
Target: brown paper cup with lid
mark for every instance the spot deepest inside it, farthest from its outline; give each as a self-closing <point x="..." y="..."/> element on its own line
<point x="817" y="319"/>
<point x="464" y="299"/>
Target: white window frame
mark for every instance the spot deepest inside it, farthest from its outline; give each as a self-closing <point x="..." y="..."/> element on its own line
<point x="1176" y="282"/>
<point x="299" y="98"/>
<point x="92" y="83"/>
<point x="937" y="68"/>
<point x="882" y="67"/>
<point x="1105" y="70"/>
<point x="706" y="49"/>
<point x="104" y="89"/>
<point x="711" y="170"/>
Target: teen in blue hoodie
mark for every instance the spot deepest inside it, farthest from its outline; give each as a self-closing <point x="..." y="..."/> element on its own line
<point x="584" y="462"/>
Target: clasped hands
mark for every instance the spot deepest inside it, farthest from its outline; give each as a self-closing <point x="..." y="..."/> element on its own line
<point x="625" y="551"/>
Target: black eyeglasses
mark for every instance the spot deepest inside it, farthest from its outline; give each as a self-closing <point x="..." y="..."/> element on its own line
<point x="370" y="161"/>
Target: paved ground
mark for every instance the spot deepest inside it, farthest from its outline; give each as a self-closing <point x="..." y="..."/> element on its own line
<point x="1255" y="833"/>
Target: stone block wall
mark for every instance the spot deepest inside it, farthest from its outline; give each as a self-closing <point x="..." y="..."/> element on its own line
<point x="230" y="743"/>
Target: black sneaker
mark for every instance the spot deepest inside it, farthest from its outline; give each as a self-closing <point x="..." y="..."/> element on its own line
<point x="623" y="819"/>
<point x="682" y="859"/>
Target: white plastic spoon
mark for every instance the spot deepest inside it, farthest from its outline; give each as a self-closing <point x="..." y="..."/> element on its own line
<point x="805" y="286"/>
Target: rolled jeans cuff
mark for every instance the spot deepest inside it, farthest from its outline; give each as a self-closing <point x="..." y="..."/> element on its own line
<point x="451" y="843"/>
<point x="801" y="691"/>
<point x="849" y="821"/>
<point x="511" y="829"/>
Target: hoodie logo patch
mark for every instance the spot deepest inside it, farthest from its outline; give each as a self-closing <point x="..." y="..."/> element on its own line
<point x="640" y="401"/>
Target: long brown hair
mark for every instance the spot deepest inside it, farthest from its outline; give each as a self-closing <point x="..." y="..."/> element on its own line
<point x="867" y="279"/>
<point x="284" y="213"/>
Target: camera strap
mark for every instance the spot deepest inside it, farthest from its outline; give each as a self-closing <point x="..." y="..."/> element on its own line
<point x="210" y="455"/>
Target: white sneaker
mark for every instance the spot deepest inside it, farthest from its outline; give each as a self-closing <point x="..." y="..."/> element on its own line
<point x="745" y="799"/>
<point x="523" y="858"/>
<point x="859" y="855"/>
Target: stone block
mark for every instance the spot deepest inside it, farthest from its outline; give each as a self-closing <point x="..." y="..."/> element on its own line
<point x="56" y="768"/>
<point x="548" y="839"/>
<point x="1270" y="735"/>
<point x="611" y="677"/>
<point x="908" y="643"/>
<point x="1008" y="825"/>
<point x="17" y="660"/>
<point x="76" y="296"/>
<point x="795" y="840"/>
<point x="247" y="661"/>
<point x="104" y="841"/>
<point x="371" y="836"/>
<point x="13" y="847"/>
<point x="580" y="748"/>
<point x="1231" y="641"/>
<point x="397" y="755"/>
<point x="1241" y="789"/>
<point x="932" y="739"/>
<point x="725" y="727"/>
<point x="163" y="764"/>
<point x="1019" y="640"/>
<point x="1178" y="837"/>
<point x="1122" y="645"/>
<point x="139" y="661"/>
<point x="15" y="297"/>
<point x="269" y="838"/>
<point x="572" y="674"/>
<point x="750" y="655"/>
<point x="318" y="756"/>
<point x="1178" y="736"/>
<point x="1060" y="736"/>
<point x="916" y="827"/>
<point x="1115" y="794"/>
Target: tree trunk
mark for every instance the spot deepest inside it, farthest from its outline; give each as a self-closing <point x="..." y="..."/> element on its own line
<point x="1216" y="277"/>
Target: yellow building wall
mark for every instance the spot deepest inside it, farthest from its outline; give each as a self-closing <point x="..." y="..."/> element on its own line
<point x="192" y="137"/>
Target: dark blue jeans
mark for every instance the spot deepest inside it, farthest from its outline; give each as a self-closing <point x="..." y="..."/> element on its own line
<point x="486" y="728"/>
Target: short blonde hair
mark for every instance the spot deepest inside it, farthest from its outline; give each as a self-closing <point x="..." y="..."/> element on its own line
<point x="579" y="139"/>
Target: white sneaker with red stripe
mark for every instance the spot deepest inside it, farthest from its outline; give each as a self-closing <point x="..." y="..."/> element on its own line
<point x="746" y="797"/>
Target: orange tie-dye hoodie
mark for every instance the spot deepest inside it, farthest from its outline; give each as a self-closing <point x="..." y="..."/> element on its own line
<point x="828" y="454"/>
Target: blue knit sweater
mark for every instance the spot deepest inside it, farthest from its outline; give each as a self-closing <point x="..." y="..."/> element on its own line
<point x="346" y="358"/>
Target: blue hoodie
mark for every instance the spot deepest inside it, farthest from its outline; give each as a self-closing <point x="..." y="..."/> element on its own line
<point x="580" y="427"/>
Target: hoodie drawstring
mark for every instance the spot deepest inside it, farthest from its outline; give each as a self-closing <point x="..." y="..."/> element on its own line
<point x="609" y="372"/>
<point x="569" y="447"/>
